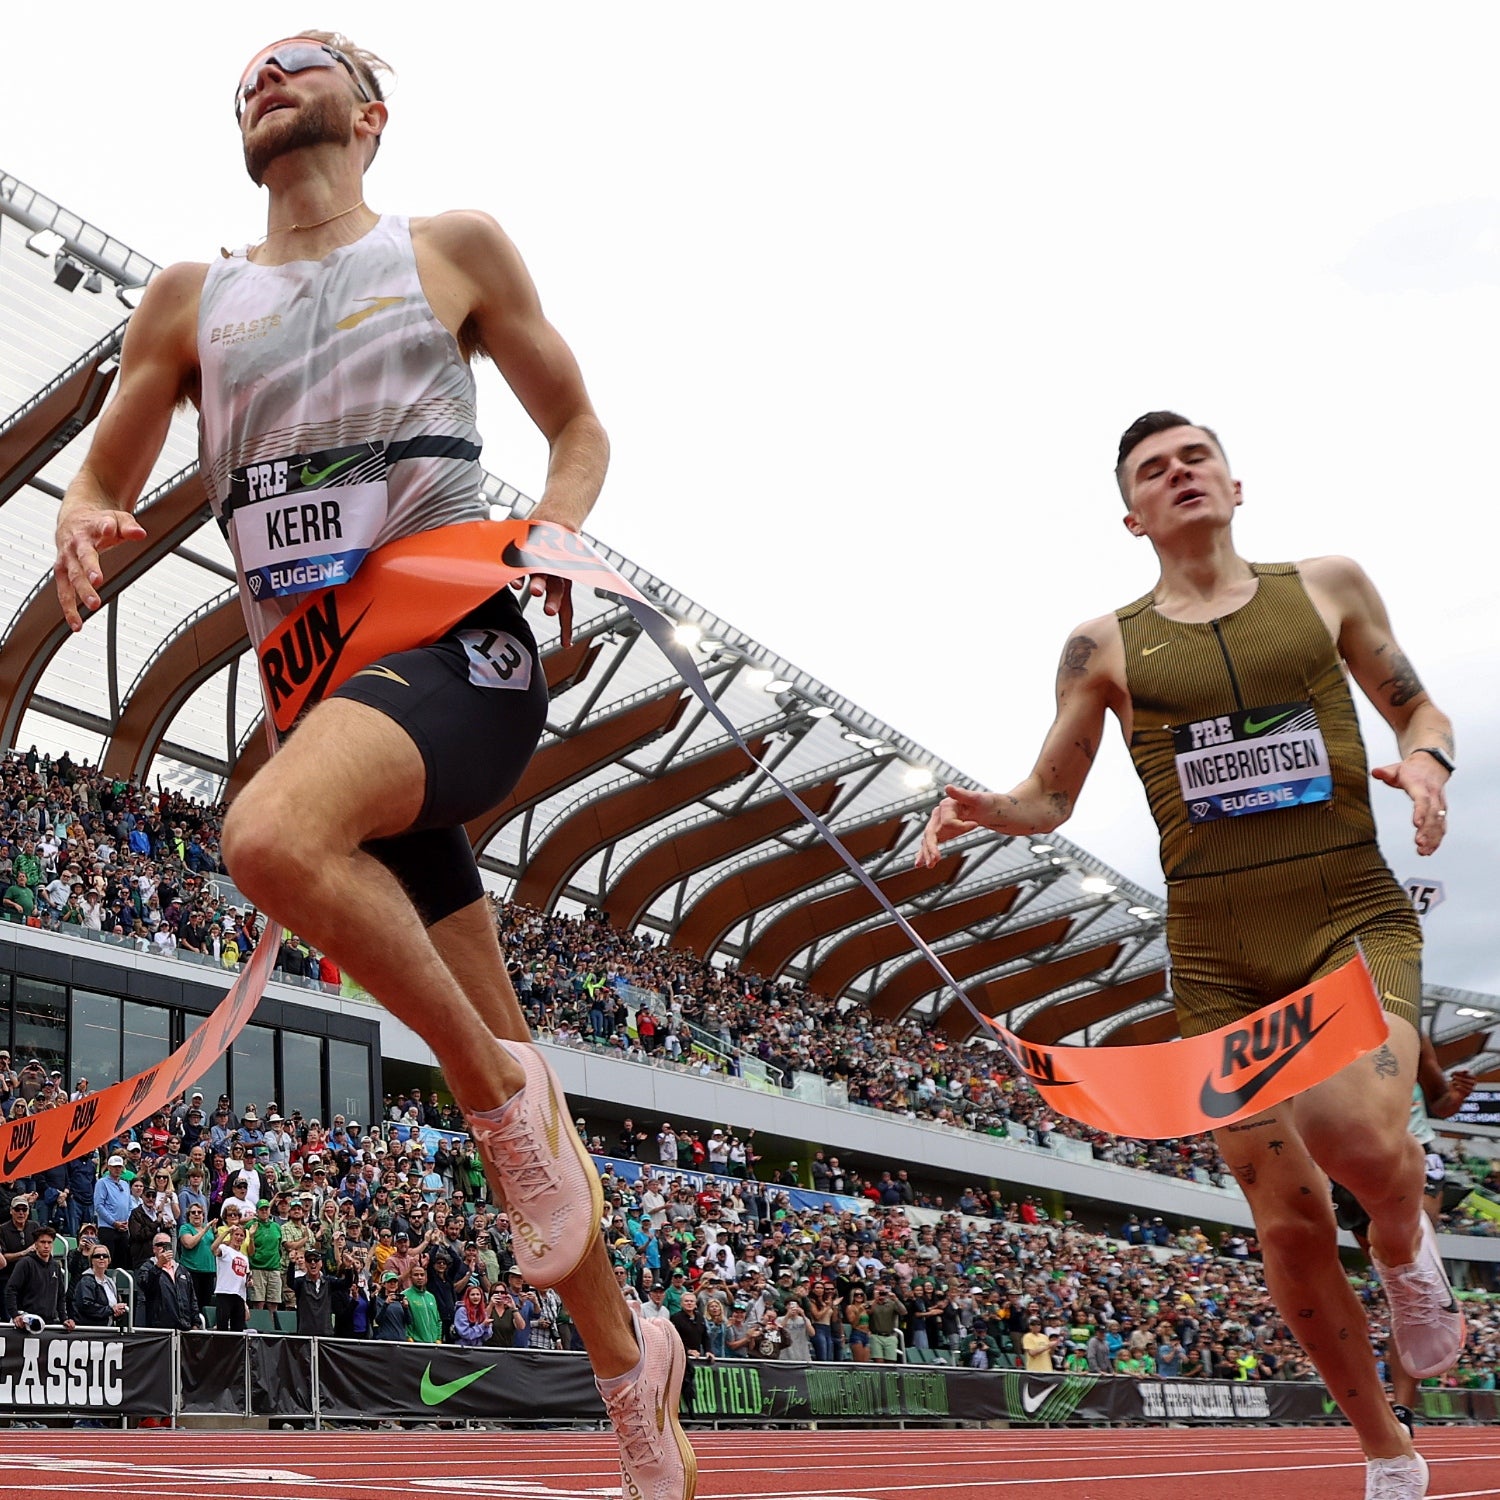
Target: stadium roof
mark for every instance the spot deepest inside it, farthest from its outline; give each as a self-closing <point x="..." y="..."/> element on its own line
<point x="635" y="801"/>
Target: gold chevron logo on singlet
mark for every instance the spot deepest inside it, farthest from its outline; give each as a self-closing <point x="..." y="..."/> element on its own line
<point x="385" y="672"/>
<point x="377" y="304"/>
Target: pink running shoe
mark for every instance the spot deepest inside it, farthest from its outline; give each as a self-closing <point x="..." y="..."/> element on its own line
<point x="656" y="1460"/>
<point x="1396" y="1478"/>
<point x="541" y="1172"/>
<point x="1425" y="1321"/>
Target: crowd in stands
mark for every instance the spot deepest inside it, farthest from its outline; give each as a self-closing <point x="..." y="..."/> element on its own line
<point x="388" y="1232"/>
<point x="80" y="848"/>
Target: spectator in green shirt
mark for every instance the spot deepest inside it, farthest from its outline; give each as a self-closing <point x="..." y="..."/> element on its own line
<point x="422" y="1308"/>
<point x="19" y="900"/>
<point x="264" y="1248"/>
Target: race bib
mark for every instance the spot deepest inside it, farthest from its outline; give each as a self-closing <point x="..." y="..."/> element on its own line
<point x="306" y="522"/>
<point x="1252" y="761"/>
<point x="496" y="659"/>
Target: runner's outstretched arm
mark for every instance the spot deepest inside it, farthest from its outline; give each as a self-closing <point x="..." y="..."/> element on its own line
<point x="158" y="369"/>
<point x="1088" y="683"/>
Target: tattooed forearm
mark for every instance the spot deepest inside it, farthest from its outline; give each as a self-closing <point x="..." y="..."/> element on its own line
<point x="1253" y="1124"/>
<point x="1403" y="685"/>
<point x="1076" y="655"/>
<point x="1386" y="1064"/>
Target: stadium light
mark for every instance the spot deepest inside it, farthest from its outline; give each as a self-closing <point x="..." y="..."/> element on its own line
<point x="93" y="282"/>
<point x="1096" y="885"/>
<point x="67" y="272"/>
<point x="777" y="685"/>
<point x="46" y="242"/>
<point x="819" y="711"/>
<point x="687" y="634"/>
<point x="917" y="777"/>
<point x="1043" y="848"/>
<point x="1142" y="911"/>
<point x="758" y="677"/>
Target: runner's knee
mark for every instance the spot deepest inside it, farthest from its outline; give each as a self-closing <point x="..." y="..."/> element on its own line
<point x="1298" y="1227"/>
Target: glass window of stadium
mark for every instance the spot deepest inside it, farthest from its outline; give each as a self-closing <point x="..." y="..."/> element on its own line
<point x="40" y="1020"/>
<point x="302" y="1075"/>
<point x="349" y="1080"/>
<point x="145" y="1034"/>
<point x="95" y="1050"/>
<point x="254" y="1069"/>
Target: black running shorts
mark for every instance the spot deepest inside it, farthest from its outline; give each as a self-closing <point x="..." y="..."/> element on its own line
<point x="474" y="704"/>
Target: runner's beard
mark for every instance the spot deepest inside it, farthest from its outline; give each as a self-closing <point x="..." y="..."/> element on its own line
<point x="319" y="122"/>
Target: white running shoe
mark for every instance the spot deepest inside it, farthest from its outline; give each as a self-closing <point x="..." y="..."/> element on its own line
<point x="656" y="1459"/>
<point x="541" y="1172"/>
<point x="1396" y="1478"/>
<point x="1425" y="1319"/>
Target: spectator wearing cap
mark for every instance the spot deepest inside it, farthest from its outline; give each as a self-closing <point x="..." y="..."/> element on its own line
<point x="314" y="1293"/>
<point x="36" y="1286"/>
<point x="655" y="1305"/>
<point x="263" y="1249"/>
<point x="391" y="1317"/>
<point x="111" y="1206"/>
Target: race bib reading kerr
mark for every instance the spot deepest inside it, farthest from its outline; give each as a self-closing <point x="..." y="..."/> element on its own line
<point x="1251" y="761"/>
<point x="306" y="522"/>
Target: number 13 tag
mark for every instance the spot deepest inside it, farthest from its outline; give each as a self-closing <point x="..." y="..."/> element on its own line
<point x="496" y="660"/>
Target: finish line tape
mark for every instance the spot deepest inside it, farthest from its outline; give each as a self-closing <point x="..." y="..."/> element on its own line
<point x="413" y="591"/>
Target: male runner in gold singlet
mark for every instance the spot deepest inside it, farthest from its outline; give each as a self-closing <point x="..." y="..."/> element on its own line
<point x="334" y="356"/>
<point x="1228" y="682"/>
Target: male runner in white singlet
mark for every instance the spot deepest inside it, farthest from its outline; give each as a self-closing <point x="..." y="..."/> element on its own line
<point x="330" y="368"/>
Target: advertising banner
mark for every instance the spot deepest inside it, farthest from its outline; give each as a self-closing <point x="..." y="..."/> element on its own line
<point x="104" y="1374"/>
<point x="281" y="1375"/>
<point x="213" y="1373"/>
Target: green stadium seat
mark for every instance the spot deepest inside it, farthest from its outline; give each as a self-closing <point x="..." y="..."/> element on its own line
<point x="940" y="1357"/>
<point x="209" y="1314"/>
<point x="261" y="1319"/>
<point x="286" y="1320"/>
<point x="915" y="1356"/>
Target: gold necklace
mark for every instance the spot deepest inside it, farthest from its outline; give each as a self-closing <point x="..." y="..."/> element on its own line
<point x="343" y="213"/>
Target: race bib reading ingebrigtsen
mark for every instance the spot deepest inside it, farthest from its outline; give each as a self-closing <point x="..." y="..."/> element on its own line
<point x="1251" y="761"/>
<point x="306" y="521"/>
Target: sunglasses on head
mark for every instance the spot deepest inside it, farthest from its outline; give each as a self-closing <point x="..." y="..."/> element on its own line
<point x="295" y="57"/>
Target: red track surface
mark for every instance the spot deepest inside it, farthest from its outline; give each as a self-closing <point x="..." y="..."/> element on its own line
<point x="1102" y="1464"/>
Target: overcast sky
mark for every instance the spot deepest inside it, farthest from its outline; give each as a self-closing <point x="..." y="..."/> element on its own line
<point x="864" y="294"/>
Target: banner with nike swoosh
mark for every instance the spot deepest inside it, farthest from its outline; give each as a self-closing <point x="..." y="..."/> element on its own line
<point x="412" y="591"/>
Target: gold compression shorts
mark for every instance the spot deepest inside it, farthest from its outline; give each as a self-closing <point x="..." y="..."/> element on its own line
<point x="1240" y="941"/>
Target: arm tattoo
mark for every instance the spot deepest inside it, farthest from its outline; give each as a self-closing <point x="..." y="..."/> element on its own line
<point x="1245" y="1171"/>
<point x="1403" y="684"/>
<point x="1253" y="1124"/>
<point x="1076" y="654"/>
<point x="1386" y="1064"/>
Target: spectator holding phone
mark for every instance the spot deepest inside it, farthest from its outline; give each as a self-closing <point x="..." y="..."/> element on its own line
<point x="471" y="1319"/>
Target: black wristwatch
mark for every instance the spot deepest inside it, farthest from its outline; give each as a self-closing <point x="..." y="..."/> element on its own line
<point x="1440" y="756"/>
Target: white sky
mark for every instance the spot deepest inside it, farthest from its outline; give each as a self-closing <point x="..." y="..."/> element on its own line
<point x="865" y="293"/>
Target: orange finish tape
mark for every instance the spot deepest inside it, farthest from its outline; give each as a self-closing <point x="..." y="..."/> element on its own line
<point x="413" y="591"/>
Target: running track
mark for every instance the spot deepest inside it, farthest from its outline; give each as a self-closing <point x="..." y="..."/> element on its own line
<point x="1098" y="1464"/>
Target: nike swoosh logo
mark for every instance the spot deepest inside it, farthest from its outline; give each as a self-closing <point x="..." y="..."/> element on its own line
<point x="1254" y="726"/>
<point x="435" y="1393"/>
<point x="1160" y="646"/>
<point x="1032" y="1404"/>
<point x="1216" y="1104"/>
<point x="377" y="304"/>
<point x="385" y="672"/>
<point x="84" y="1113"/>
<point x="661" y="1415"/>
<point x="1329" y="1405"/>
<point x="311" y="480"/>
